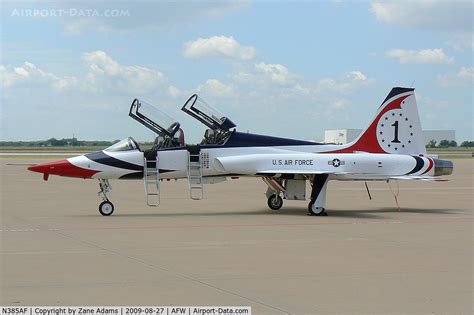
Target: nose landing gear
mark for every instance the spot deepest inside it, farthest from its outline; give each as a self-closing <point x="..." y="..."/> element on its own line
<point x="106" y="208"/>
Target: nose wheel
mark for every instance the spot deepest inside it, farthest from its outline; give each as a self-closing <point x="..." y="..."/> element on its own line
<point x="106" y="208"/>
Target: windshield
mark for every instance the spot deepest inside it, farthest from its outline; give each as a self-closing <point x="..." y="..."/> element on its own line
<point x="126" y="144"/>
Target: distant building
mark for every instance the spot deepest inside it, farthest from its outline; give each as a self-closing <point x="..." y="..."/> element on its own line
<point x="343" y="136"/>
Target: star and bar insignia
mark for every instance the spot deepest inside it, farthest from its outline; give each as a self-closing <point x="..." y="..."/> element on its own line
<point x="336" y="162"/>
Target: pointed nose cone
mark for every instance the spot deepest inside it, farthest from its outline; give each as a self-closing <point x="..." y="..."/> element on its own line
<point x="62" y="168"/>
<point x="50" y="167"/>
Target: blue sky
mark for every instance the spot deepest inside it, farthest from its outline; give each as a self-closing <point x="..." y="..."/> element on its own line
<point x="285" y="68"/>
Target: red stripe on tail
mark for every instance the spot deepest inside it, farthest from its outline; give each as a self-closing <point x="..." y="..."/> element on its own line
<point x="368" y="141"/>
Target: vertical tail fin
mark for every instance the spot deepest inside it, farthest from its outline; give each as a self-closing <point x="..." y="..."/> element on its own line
<point x="396" y="128"/>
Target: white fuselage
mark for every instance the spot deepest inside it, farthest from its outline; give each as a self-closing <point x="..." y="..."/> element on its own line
<point x="287" y="160"/>
<point x="259" y="161"/>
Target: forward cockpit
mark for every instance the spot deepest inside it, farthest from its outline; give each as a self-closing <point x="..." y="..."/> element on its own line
<point x="127" y="144"/>
<point x="168" y="131"/>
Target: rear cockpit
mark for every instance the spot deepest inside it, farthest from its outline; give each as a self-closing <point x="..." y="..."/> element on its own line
<point x="218" y="124"/>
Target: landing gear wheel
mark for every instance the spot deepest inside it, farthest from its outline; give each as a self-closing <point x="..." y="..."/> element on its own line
<point x="275" y="202"/>
<point x="313" y="210"/>
<point x="106" y="208"/>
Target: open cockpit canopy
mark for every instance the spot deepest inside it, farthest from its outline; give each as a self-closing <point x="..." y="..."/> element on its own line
<point x="206" y="114"/>
<point x="153" y="118"/>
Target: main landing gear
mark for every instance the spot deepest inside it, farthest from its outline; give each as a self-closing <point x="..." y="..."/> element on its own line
<point x="274" y="192"/>
<point x="106" y="208"/>
<point x="314" y="210"/>
<point x="275" y="202"/>
<point x="277" y="188"/>
<point x="318" y="195"/>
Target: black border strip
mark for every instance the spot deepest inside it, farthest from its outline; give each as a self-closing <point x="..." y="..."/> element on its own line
<point x="419" y="165"/>
<point x="102" y="158"/>
<point x="396" y="91"/>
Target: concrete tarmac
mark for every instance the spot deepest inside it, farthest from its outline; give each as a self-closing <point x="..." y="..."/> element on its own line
<point x="230" y="249"/>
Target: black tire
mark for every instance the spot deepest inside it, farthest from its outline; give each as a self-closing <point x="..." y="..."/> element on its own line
<point x="275" y="202"/>
<point x="106" y="208"/>
<point x="320" y="211"/>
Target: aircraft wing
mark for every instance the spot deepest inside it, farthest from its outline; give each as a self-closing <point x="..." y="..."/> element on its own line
<point x="306" y="164"/>
<point x="425" y="178"/>
<point x="261" y="164"/>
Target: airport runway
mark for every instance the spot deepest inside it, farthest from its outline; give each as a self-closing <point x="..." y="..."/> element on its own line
<point x="230" y="249"/>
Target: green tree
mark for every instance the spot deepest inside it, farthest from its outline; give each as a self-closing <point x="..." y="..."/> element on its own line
<point x="57" y="143"/>
<point x="444" y="144"/>
<point x="467" y="144"/>
<point x="431" y="144"/>
<point x="453" y="144"/>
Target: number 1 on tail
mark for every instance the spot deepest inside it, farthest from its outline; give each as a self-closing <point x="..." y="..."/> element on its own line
<point x="395" y="139"/>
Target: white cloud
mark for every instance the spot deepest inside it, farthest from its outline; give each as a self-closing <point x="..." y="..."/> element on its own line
<point x="436" y="56"/>
<point x="277" y="91"/>
<point x="453" y="18"/>
<point x="28" y="75"/>
<point x="65" y="83"/>
<point x="462" y="41"/>
<point x="275" y="83"/>
<point x="218" y="46"/>
<point x="340" y="103"/>
<point x="345" y="84"/>
<point x="103" y="74"/>
<point x="174" y="91"/>
<point x="106" y="86"/>
<point x="426" y="14"/>
<point x="275" y="73"/>
<point x="266" y="74"/>
<point x="463" y="77"/>
<point x="357" y="76"/>
<point x="101" y="85"/>
<point x="99" y="61"/>
<point x="22" y="72"/>
<point x="215" y="88"/>
<point x="466" y="72"/>
<point x="106" y="73"/>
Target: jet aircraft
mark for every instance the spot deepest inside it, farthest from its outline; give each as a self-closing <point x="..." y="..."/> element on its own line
<point x="390" y="148"/>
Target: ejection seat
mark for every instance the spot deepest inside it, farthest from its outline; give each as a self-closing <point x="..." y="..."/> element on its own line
<point x="209" y="137"/>
<point x="161" y="142"/>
